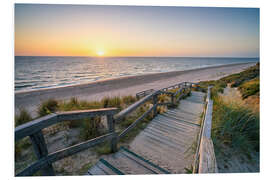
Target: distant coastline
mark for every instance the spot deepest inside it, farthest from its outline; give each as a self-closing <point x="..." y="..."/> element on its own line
<point x="37" y="73"/>
<point x="131" y="77"/>
<point x="123" y="86"/>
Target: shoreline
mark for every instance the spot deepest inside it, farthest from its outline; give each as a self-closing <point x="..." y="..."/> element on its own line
<point x="128" y="85"/>
<point x="126" y="77"/>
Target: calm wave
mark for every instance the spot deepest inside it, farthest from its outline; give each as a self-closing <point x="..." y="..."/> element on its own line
<point x="48" y="72"/>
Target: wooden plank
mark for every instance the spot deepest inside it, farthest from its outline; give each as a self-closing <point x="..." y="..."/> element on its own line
<point x="74" y="115"/>
<point x="155" y="101"/>
<point x="196" y="159"/>
<point x="111" y="127"/>
<point x="164" y="104"/>
<point x="41" y="151"/>
<point x="208" y="162"/>
<point x="46" y="121"/>
<point x="64" y="153"/>
<point x="172" y="99"/>
<point x="136" y="122"/>
<point x="35" y="126"/>
<point x="143" y="93"/>
<point x="207" y="159"/>
<point x="132" y="107"/>
<point x="208" y="120"/>
<point x="166" y="92"/>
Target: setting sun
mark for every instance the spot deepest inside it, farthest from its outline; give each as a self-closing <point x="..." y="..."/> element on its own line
<point x="100" y="53"/>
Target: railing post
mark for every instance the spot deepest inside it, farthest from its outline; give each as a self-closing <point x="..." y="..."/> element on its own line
<point x="111" y="127"/>
<point x="155" y="101"/>
<point x="172" y="99"/>
<point x="41" y="151"/>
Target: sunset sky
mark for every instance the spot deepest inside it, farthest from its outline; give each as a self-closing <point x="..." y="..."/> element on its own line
<point x="87" y="30"/>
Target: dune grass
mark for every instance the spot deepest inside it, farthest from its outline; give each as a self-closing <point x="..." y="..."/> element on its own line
<point x="22" y="118"/>
<point x="235" y="126"/>
<point x="250" y="88"/>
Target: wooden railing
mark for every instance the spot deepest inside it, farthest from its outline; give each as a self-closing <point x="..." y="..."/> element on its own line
<point x="34" y="128"/>
<point x="144" y="93"/>
<point x="205" y="160"/>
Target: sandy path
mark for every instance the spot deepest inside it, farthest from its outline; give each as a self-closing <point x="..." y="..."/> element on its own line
<point x="122" y="86"/>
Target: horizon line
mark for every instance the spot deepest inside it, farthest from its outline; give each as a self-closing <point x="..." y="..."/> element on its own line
<point x="139" y="56"/>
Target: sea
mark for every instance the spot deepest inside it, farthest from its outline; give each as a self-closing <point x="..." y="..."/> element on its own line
<point x="41" y="72"/>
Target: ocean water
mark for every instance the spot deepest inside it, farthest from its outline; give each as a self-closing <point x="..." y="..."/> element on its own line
<point x="34" y="72"/>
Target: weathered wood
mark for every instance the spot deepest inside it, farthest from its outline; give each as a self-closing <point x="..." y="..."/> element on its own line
<point x="136" y="122"/>
<point x="111" y="128"/>
<point x="172" y="99"/>
<point x="46" y="121"/>
<point x="208" y="162"/>
<point x="155" y="101"/>
<point x="166" y="92"/>
<point x="132" y="107"/>
<point x="64" y="153"/>
<point x="144" y="93"/>
<point x="196" y="159"/>
<point x="34" y="126"/>
<point x="164" y="104"/>
<point x="41" y="151"/>
<point x="74" y="115"/>
<point x="111" y="123"/>
<point x="208" y="120"/>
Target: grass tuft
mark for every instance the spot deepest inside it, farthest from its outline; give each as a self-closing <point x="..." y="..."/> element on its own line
<point x="22" y="118"/>
<point x="48" y="107"/>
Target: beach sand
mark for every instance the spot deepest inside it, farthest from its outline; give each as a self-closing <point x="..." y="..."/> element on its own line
<point x="122" y="86"/>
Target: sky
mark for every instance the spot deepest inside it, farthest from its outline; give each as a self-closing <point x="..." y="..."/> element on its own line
<point x="88" y="30"/>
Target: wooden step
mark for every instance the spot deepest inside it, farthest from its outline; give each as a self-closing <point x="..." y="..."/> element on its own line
<point x="125" y="162"/>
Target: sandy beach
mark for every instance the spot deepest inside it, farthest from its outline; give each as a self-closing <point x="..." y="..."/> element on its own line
<point x="122" y="86"/>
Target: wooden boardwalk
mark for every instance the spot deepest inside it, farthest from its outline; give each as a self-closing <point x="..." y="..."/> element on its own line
<point x="166" y="145"/>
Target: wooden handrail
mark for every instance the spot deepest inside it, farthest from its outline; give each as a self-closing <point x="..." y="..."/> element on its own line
<point x="205" y="153"/>
<point x="136" y="122"/>
<point x="34" y="130"/>
<point x="46" y="121"/>
<point x="134" y="106"/>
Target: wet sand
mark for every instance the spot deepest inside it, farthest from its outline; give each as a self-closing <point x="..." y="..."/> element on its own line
<point x="30" y="100"/>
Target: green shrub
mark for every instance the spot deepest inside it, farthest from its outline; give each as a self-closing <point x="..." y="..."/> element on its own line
<point x="48" y="107"/>
<point x="22" y="118"/>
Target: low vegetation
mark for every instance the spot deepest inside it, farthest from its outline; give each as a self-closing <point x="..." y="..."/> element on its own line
<point x="250" y="88"/>
<point x="234" y="125"/>
<point x="22" y="118"/>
